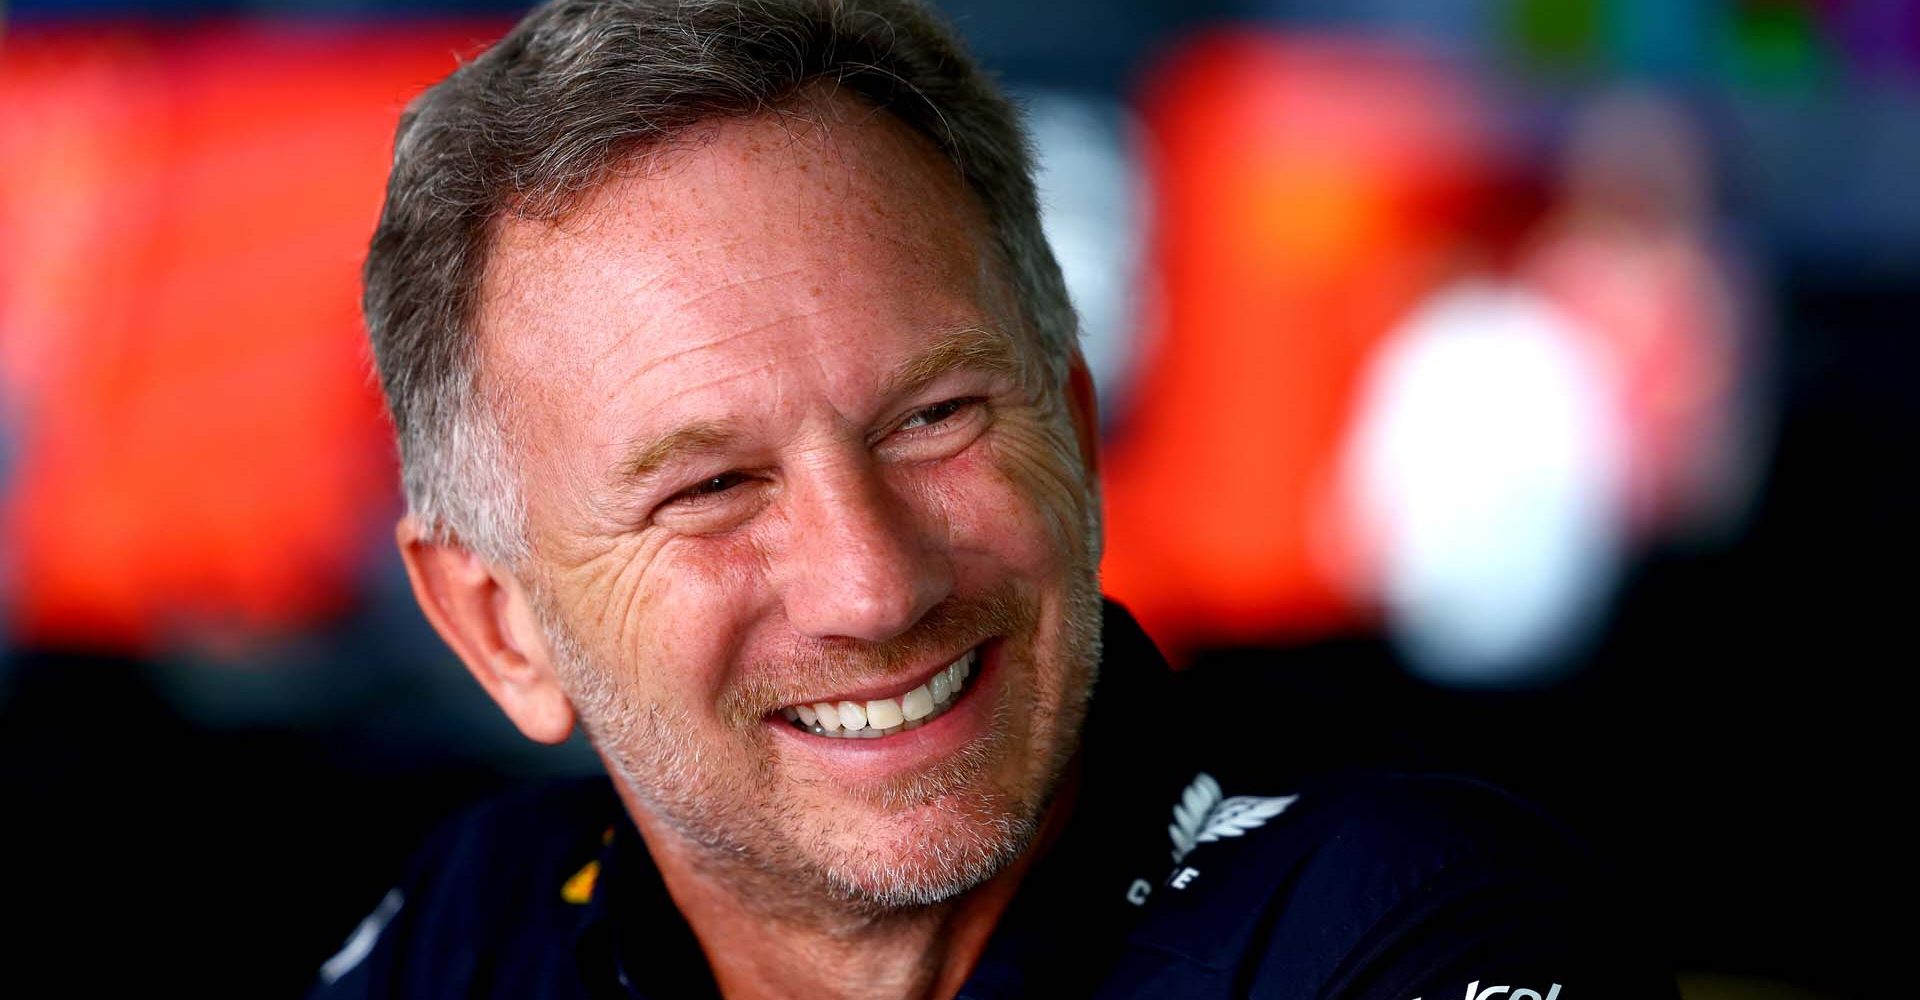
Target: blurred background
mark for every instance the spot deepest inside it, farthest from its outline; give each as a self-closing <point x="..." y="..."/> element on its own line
<point x="1530" y="381"/>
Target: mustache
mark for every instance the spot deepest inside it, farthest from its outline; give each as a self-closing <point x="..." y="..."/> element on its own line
<point x="952" y="626"/>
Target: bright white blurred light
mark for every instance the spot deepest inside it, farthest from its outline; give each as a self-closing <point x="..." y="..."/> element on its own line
<point x="1488" y="470"/>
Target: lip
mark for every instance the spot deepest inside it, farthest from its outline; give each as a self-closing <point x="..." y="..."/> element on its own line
<point x="895" y="690"/>
<point x="875" y="759"/>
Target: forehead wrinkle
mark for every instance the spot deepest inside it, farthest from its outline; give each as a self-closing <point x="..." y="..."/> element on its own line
<point x="650" y="365"/>
<point x="735" y="283"/>
<point x="970" y="347"/>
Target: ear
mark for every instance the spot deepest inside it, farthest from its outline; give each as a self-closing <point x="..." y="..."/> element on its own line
<point x="487" y="616"/>
<point x="1084" y="404"/>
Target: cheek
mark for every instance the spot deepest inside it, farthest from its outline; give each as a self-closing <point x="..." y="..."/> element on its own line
<point x="699" y="603"/>
<point x="671" y="619"/>
<point x="1020" y="494"/>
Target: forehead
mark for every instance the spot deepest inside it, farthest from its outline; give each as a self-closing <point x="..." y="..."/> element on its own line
<point x="774" y="234"/>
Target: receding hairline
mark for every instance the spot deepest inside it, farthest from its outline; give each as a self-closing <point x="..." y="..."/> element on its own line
<point x="810" y="111"/>
<point x="817" y="107"/>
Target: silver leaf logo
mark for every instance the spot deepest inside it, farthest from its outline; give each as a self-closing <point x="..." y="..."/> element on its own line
<point x="1204" y="814"/>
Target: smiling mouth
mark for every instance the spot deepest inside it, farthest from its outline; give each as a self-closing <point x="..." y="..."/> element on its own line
<point x="880" y="717"/>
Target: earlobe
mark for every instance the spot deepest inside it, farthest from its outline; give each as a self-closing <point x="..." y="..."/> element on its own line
<point x="486" y="615"/>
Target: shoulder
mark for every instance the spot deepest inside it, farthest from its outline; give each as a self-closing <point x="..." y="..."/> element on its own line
<point x="1452" y="887"/>
<point x="486" y="907"/>
<point x="1392" y="885"/>
<point x="1337" y="854"/>
<point x="542" y="828"/>
<point x="1312" y="856"/>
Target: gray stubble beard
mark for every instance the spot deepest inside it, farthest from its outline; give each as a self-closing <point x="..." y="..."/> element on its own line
<point x="746" y="838"/>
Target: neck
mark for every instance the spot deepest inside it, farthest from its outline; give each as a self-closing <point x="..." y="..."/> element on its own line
<point x="923" y="952"/>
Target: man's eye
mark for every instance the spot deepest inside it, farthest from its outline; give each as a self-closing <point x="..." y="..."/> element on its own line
<point x="711" y="486"/>
<point x="937" y="413"/>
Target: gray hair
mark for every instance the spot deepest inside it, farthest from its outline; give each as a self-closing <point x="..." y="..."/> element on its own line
<point x="574" y="91"/>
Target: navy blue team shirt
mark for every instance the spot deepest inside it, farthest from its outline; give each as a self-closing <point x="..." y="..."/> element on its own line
<point x="1202" y="860"/>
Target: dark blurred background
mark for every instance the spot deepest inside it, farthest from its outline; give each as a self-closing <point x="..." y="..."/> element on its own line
<point x="1529" y="381"/>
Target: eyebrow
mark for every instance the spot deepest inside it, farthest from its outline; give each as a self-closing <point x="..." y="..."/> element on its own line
<point x="698" y="438"/>
<point x="975" y="348"/>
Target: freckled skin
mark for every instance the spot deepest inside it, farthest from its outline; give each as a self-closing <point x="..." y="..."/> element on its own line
<point x="771" y="279"/>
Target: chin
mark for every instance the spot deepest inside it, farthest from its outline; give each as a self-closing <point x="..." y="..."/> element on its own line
<point x="939" y="852"/>
<point x="932" y="840"/>
<point x="923" y="841"/>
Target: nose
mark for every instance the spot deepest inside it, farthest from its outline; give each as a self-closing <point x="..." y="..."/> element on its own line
<point x="859" y="564"/>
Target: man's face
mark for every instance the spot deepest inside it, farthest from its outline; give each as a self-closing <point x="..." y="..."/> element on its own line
<point x="785" y="443"/>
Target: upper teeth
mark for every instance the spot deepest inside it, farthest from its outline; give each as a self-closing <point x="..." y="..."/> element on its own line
<point x="880" y="716"/>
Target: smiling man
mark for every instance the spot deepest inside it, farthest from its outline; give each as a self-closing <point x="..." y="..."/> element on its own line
<point x="743" y="426"/>
<point x="811" y="530"/>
